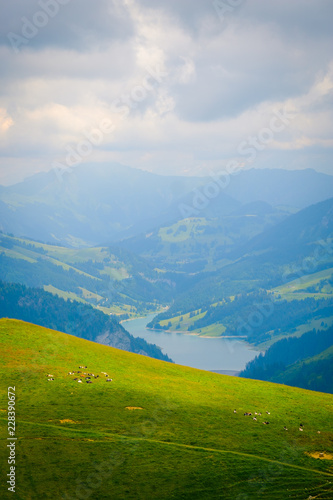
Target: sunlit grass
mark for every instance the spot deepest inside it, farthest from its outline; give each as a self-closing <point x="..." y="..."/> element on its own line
<point x="186" y="442"/>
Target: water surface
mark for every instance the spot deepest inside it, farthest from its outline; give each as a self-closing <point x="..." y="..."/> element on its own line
<point x="189" y="350"/>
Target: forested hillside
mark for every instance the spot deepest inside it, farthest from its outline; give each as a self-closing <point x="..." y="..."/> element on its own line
<point x="279" y="281"/>
<point x="305" y="361"/>
<point x="110" y="278"/>
<point x="42" y="308"/>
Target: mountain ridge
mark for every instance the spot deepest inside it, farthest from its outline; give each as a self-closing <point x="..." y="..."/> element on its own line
<point x="92" y="204"/>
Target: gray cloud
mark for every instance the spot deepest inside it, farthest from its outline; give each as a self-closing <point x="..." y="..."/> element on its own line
<point x="247" y="71"/>
<point x="299" y="19"/>
<point x="294" y="19"/>
<point x="222" y="79"/>
<point x="76" y="24"/>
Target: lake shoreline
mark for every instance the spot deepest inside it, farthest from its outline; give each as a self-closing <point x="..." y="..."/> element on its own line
<point x="186" y="332"/>
<point x="208" y="353"/>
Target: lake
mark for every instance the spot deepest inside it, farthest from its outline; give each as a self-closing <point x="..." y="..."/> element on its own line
<point x="223" y="355"/>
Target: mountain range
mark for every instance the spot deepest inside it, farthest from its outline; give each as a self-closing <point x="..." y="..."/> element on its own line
<point x="99" y="204"/>
<point x="253" y="261"/>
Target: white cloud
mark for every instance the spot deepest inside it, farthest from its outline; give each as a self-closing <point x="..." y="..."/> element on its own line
<point x="220" y="84"/>
<point x="5" y="121"/>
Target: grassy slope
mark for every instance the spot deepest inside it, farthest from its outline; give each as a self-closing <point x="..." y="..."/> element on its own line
<point x="313" y="367"/>
<point x="296" y="289"/>
<point x="185" y="442"/>
<point x="67" y="259"/>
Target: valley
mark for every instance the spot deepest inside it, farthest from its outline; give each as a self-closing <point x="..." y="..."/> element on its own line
<point x="111" y="280"/>
<point x="239" y="269"/>
<point x="166" y="250"/>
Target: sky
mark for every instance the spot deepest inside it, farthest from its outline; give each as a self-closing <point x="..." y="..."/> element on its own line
<point x="175" y="87"/>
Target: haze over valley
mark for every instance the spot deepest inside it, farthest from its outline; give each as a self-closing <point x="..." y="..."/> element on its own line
<point x="166" y="250"/>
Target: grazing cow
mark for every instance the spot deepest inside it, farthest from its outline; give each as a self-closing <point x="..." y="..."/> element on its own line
<point x="89" y="381"/>
<point x="80" y="381"/>
<point x="318" y="432"/>
<point x="97" y="376"/>
<point x="49" y="375"/>
<point x="109" y="380"/>
<point x="75" y="378"/>
<point x="235" y="411"/>
<point x="268" y="413"/>
<point x="50" y="379"/>
<point x="300" y="429"/>
<point x="259" y="414"/>
<point x="254" y="418"/>
<point x="285" y="428"/>
<point x="301" y="425"/>
<point x="266" y="423"/>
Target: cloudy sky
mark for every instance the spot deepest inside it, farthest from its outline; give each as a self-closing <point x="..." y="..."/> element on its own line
<point x="171" y="86"/>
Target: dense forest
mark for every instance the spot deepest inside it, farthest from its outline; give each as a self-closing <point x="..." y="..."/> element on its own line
<point x="42" y="308"/>
<point x="293" y="361"/>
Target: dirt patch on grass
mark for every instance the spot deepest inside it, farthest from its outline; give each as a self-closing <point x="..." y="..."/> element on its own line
<point x="323" y="455"/>
<point x="67" y="421"/>
<point x="133" y="408"/>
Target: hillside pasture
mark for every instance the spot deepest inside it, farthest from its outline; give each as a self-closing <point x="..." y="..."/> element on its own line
<point x="79" y="440"/>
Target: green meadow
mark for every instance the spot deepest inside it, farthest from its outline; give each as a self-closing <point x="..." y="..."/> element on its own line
<point x="298" y="289"/>
<point x="88" y="275"/>
<point x="158" y="430"/>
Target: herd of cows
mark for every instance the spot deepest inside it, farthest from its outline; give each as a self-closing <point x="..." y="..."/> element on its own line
<point x="84" y="376"/>
<point x="258" y="414"/>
